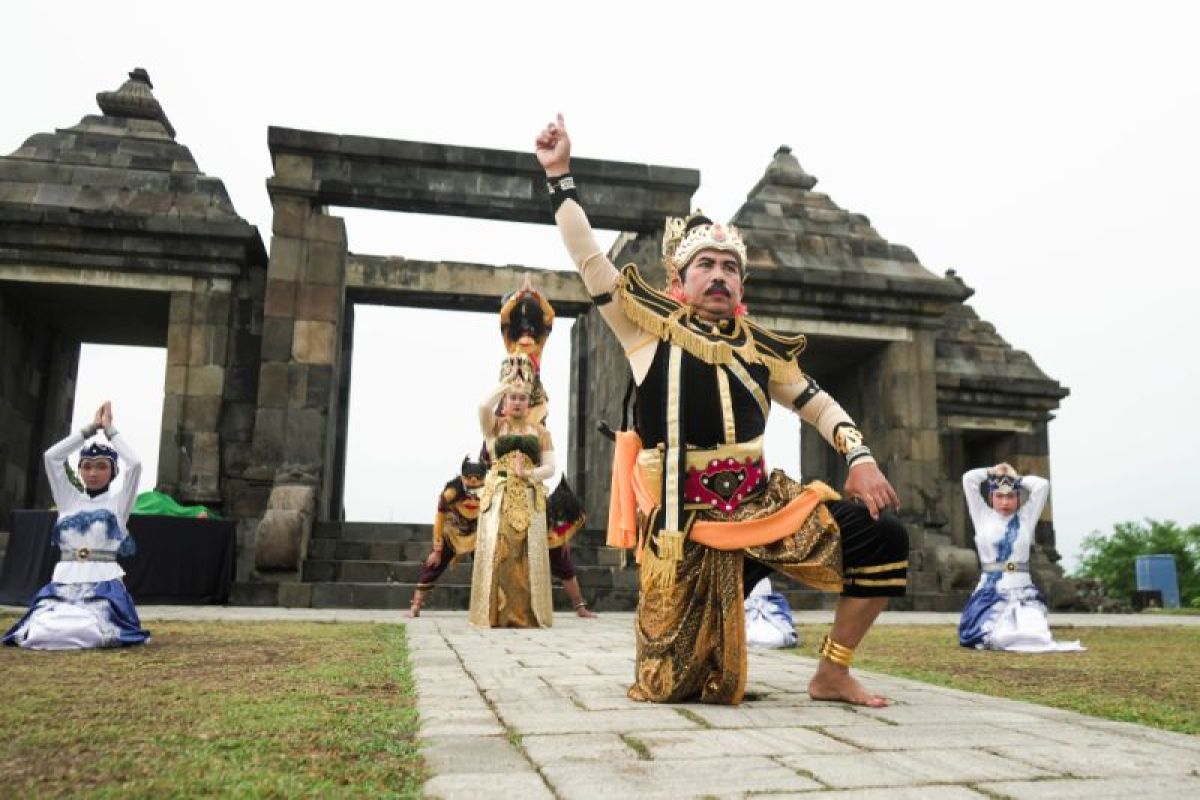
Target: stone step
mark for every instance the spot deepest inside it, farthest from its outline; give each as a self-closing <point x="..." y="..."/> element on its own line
<point x="452" y="593"/>
<point x="342" y="550"/>
<point x="254" y="593"/>
<point x="408" y="571"/>
<point x="373" y="531"/>
<point x="445" y="597"/>
<point x="403" y="532"/>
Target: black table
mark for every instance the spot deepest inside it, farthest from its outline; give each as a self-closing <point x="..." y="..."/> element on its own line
<point x="179" y="560"/>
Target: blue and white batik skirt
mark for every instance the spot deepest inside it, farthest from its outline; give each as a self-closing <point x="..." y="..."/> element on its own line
<point x="78" y="616"/>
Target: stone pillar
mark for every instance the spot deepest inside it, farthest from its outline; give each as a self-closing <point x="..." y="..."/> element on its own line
<point x="900" y="422"/>
<point x="599" y="379"/>
<point x="297" y="419"/>
<point x="198" y="334"/>
<point x="38" y="365"/>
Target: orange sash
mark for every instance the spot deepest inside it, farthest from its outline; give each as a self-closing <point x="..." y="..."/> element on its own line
<point x="630" y="494"/>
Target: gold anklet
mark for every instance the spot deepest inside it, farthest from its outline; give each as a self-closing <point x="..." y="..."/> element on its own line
<point x="837" y="653"/>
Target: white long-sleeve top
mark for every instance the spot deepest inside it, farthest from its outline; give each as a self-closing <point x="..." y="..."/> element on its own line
<point x="600" y="276"/>
<point x="82" y="521"/>
<point x="991" y="525"/>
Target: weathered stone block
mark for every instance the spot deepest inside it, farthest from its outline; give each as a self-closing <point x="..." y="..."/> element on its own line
<point x="201" y="413"/>
<point x="291" y="215"/>
<point x="269" y="426"/>
<point x="180" y="310"/>
<point x="207" y="344"/>
<point x="273" y="385"/>
<point x="211" y="308"/>
<point x="287" y="259"/>
<point x="325" y="228"/>
<point x="305" y="432"/>
<point x="318" y="302"/>
<point x="206" y="380"/>
<point x="326" y="263"/>
<point x="247" y="498"/>
<point x="319" y="385"/>
<point x="178" y="340"/>
<point x="298" y="385"/>
<point x="172" y="411"/>
<point x="295" y="595"/>
<point x="277" y="339"/>
<point x="176" y="380"/>
<point x="292" y="497"/>
<point x="281" y="538"/>
<point x="281" y="299"/>
<point x="241" y="383"/>
<point x="314" y="342"/>
<point x="290" y="166"/>
<point x="206" y="453"/>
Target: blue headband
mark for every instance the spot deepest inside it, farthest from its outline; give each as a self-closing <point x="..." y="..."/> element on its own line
<point x="97" y="450"/>
<point x="1004" y="484"/>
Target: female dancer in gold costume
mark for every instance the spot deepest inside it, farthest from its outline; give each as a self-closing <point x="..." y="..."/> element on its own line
<point x="510" y="583"/>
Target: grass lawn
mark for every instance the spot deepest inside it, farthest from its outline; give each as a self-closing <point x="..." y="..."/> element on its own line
<point x="214" y="709"/>
<point x="1146" y="675"/>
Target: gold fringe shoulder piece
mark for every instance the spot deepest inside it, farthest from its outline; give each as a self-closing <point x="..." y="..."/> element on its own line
<point x="664" y="318"/>
<point x="779" y="352"/>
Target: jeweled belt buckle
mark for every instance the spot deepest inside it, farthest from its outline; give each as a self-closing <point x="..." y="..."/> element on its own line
<point x="1010" y="566"/>
<point x="724" y="483"/>
<point x="83" y="553"/>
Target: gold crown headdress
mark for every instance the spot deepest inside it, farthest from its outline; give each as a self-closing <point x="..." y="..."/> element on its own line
<point x="517" y="373"/>
<point x="683" y="237"/>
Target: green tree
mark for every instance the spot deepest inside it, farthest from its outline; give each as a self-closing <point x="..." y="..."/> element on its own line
<point x="1111" y="558"/>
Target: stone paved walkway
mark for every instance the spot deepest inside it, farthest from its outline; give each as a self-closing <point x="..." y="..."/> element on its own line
<point x="543" y="714"/>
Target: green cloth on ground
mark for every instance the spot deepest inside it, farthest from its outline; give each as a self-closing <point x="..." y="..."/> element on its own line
<point x="164" y="505"/>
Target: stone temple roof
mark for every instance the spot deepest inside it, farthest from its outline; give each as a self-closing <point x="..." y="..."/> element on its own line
<point x="787" y="224"/>
<point x="846" y="270"/>
<point x="810" y="257"/>
<point x="121" y="170"/>
<point x="976" y="366"/>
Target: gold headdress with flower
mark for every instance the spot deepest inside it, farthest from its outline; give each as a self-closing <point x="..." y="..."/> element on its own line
<point x="683" y="237"/>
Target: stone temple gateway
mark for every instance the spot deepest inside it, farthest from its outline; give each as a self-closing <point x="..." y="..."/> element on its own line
<point x="115" y="213"/>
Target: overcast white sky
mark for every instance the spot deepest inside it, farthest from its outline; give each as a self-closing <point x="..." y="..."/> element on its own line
<point x="1046" y="151"/>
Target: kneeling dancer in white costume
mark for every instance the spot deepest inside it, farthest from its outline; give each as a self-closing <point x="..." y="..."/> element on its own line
<point x="86" y="604"/>
<point x="1006" y="611"/>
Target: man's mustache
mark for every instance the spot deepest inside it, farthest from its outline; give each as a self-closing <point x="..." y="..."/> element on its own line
<point x="718" y="288"/>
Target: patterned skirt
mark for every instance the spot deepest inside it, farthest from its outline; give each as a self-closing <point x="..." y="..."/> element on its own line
<point x="691" y="635"/>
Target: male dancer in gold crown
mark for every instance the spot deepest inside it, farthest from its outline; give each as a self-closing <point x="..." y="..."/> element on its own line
<point x="689" y="486"/>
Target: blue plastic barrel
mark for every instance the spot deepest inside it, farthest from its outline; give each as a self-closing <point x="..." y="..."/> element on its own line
<point x="1158" y="573"/>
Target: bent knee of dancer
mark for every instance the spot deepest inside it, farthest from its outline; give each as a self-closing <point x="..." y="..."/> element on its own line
<point x="878" y="565"/>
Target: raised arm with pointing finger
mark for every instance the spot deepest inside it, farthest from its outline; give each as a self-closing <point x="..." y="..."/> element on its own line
<point x="691" y="489"/>
<point x="602" y="279"/>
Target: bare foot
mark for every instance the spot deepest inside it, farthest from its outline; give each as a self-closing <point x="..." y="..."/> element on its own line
<point x="414" y="611"/>
<point x="582" y="611"/>
<point x="840" y="686"/>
